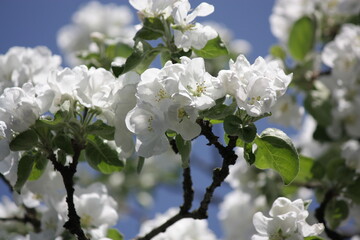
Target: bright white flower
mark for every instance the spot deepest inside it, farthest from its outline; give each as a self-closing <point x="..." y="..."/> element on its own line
<point x="149" y="126"/>
<point x="255" y="87"/>
<point x="343" y="55"/>
<point x="124" y="101"/>
<point x="110" y="20"/>
<point x="48" y="188"/>
<point x="287" y="112"/>
<point x="185" y="229"/>
<point x="95" y="88"/>
<point x="182" y="117"/>
<point x="153" y="8"/>
<point x="287" y="221"/>
<point x="350" y="150"/>
<point x="238" y="203"/>
<point x="20" y="107"/>
<point x="188" y="34"/>
<point x="198" y="84"/>
<point x="20" y="65"/>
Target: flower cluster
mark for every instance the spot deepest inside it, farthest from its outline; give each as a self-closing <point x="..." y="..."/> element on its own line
<point x="287" y="221"/>
<point x="111" y="22"/>
<point x="343" y="57"/>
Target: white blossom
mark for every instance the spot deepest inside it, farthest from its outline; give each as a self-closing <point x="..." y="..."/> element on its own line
<point x="124" y="101"/>
<point x="21" y="65"/>
<point x="153" y="8"/>
<point x="350" y="151"/>
<point x="111" y="20"/>
<point x="287" y="112"/>
<point x="255" y="87"/>
<point x="238" y="203"/>
<point x="286" y="221"/>
<point x="188" y="34"/>
<point x="149" y="125"/>
<point x="285" y="13"/>
<point x="198" y="84"/>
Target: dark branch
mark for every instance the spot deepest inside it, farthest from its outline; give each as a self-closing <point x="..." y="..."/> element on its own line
<point x="320" y="215"/>
<point x="29" y="217"/>
<point x="219" y="175"/>
<point x="67" y="173"/>
<point x="188" y="191"/>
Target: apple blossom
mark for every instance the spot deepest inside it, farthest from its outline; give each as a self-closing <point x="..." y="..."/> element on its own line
<point x="188" y="34"/>
<point x="153" y="8"/>
<point x="20" y="65"/>
<point x="287" y="221"/>
<point x="110" y="20"/>
<point x="255" y="87"/>
<point x="149" y="125"/>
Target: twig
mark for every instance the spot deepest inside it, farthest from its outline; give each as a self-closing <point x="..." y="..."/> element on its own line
<point x="188" y="191"/>
<point x="320" y="215"/>
<point x="219" y="175"/>
<point x="67" y="173"/>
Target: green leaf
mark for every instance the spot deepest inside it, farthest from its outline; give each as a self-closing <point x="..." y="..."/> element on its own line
<point x="147" y="58"/>
<point x="239" y="142"/>
<point x="276" y="151"/>
<point x="233" y="126"/>
<point x="54" y="124"/>
<point x="302" y="38"/>
<point x="118" y="50"/>
<point x="353" y="191"/>
<point x="101" y="156"/>
<point x="278" y="52"/>
<point x="213" y="48"/>
<point x="113" y="234"/>
<point x="184" y="148"/>
<point x="101" y="129"/>
<point x="248" y="153"/>
<point x="63" y="142"/>
<point x="39" y="167"/>
<point x="25" y="167"/>
<point x="139" y="60"/>
<point x="24" y="141"/>
<point x="140" y="165"/>
<point x="336" y="212"/>
<point x="313" y="238"/>
<point x="219" y="111"/>
<point x="152" y="29"/>
<point x="305" y="169"/>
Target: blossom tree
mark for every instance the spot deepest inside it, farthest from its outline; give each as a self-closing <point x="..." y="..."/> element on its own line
<point x="77" y="142"/>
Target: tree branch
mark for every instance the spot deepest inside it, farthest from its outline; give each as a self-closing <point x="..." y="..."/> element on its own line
<point x="219" y="175"/>
<point x="67" y="173"/>
<point x="188" y="191"/>
<point x="320" y="215"/>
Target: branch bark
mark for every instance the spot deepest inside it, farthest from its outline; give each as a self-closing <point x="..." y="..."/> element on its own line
<point x="68" y="172"/>
<point x="320" y="215"/>
<point x="219" y="175"/>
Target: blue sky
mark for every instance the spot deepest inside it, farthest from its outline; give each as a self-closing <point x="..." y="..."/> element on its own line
<point x="31" y="23"/>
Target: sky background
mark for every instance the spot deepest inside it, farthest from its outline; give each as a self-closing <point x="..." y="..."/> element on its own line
<point x="30" y="23"/>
